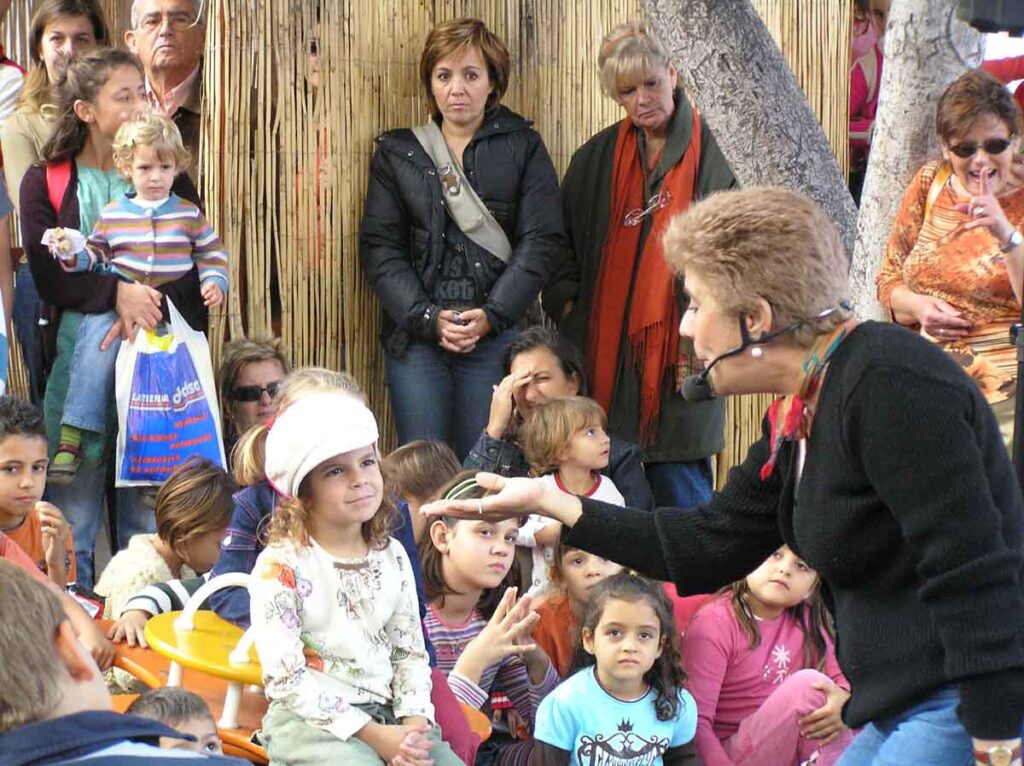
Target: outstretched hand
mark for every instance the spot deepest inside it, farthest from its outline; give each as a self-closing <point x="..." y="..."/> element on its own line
<point x="515" y="497"/>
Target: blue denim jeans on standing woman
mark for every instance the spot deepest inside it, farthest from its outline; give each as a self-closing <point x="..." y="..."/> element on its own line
<point x="26" y="328"/>
<point x="443" y="396"/>
<point x="681" y="485"/>
<point x="928" y="732"/>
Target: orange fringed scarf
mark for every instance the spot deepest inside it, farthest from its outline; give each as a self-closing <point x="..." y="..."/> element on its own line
<point x="653" y="321"/>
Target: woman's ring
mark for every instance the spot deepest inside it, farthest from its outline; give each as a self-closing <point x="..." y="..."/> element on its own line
<point x="480" y="506"/>
<point x="979" y="211"/>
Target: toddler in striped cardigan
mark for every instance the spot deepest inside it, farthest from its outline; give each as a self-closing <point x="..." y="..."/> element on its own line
<point x="152" y="237"/>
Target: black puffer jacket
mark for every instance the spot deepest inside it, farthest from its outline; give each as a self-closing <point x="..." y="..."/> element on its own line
<point x="406" y="230"/>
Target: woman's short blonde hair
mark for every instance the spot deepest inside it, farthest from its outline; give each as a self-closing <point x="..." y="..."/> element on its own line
<point x="764" y="242"/>
<point x="547" y="432"/>
<point x="627" y="54"/>
<point x="157" y="132"/>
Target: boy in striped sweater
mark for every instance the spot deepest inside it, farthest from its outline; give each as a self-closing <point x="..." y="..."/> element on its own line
<point x="151" y="236"/>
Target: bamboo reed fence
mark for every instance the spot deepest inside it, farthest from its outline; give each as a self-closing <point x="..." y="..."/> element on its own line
<point x="285" y="165"/>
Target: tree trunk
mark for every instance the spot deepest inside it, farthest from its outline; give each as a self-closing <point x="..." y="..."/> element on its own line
<point x="733" y="72"/>
<point x="926" y="48"/>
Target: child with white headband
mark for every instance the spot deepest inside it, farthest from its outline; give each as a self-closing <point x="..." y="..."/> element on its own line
<point x="333" y="601"/>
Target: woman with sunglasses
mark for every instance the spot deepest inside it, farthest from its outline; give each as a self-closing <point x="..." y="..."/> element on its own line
<point x="250" y="374"/>
<point x="614" y="293"/>
<point x="952" y="268"/>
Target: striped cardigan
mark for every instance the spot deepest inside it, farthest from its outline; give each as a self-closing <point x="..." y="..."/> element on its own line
<point x="155" y="246"/>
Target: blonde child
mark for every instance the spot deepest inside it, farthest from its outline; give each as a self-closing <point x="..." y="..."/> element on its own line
<point x="481" y="634"/>
<point x="764" y="673"/>
<point x="630" y="705"/>
<point x="574" y="575"/>
<point x="151" y="236"/>
<point x="566" y="443"/>
<point x="418" y="470"/>
<point x="193" y="508"/>
<point x="333" y="600"/>
<point x="183" y="711"/>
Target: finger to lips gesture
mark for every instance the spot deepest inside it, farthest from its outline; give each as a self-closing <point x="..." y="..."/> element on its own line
<point x="985" y="210"/>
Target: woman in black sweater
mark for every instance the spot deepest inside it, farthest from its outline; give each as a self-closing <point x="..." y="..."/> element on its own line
<point x="888" y="476"/>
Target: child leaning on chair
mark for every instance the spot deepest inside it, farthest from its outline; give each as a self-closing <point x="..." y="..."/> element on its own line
<point x="151" y="236"/>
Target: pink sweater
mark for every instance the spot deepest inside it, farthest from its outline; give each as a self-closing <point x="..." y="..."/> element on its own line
<point x="729" y="680"/>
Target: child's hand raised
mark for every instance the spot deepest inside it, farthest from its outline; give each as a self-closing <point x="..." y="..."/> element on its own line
<point x="55" y="530"/>
<point x="509" y="631"/>
<point x="212" y="294"/>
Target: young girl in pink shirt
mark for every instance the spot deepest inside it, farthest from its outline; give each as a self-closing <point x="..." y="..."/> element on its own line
<point x="762" y="668"/>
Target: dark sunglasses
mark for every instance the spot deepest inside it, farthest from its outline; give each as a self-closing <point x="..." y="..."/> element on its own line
<point x="991" y="146"/>
<point x="255" y="393"/>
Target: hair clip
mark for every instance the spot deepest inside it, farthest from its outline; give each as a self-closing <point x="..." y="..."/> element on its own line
<point x="460" y="489"/>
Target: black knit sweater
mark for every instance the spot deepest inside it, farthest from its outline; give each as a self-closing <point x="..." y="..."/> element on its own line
<point x="909" y="509"/>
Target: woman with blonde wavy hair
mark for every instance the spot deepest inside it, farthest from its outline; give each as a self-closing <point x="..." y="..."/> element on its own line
<point x="614" y="294"/>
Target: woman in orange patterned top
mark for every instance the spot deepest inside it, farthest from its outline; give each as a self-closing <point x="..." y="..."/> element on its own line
<point x="952" y="267"/>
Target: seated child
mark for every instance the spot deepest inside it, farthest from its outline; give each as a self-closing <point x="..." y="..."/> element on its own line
<point x="419" y="469"/>
<point x="183" y="711"/>
<point x="574" y="575"/>
<point x="481" y="634"/>
<point x="564" y="442"/>
<point x="39" y="528"/>
<point x="152" y="237"/>
<point x="193" y="509"/>
<point x="630" y="705"/>
<point x="333" y="600"/>
<point x="764" y="673"/>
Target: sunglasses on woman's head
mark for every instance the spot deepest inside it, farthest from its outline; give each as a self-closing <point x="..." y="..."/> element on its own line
<point x="255" y="393"/>
<point x="991" y="146"/>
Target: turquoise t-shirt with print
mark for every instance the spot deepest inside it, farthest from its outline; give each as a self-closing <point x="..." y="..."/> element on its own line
<point x="597" y="728"/>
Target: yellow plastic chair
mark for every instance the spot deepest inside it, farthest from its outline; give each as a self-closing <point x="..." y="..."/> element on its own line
<point x="199" y="639"/>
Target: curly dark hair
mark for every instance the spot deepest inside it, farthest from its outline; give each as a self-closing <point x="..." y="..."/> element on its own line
<point x="666" y="675"/>
<point x="20" y="418"/>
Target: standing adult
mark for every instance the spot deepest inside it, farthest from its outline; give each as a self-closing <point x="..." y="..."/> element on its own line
<point x="60" y="32"/>
<point x="100" y="91"/>
<point x="461" y="230"/>
<point x="881" y="467"/>
<point x="168" y="37"/>
<point x="614" y="294"/>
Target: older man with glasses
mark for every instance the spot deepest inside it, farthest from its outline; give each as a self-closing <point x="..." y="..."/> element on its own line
<point x="168" y="37"/>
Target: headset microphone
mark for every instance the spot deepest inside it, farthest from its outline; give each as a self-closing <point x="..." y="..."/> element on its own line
<point x="698" y="388"/>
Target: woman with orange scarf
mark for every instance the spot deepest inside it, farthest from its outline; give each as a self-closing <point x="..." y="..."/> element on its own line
<point x="615" y="295"/>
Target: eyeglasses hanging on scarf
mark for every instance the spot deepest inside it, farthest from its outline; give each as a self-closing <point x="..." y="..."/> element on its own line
<point x="657" y="202"/>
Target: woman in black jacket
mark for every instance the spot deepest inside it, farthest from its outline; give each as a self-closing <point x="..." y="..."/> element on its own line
<point x="452" y="295"/>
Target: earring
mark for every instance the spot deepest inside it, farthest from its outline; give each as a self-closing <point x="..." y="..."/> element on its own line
<point x="757" y="352"/>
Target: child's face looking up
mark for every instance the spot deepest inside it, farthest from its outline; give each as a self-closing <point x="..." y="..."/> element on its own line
<point x="581" y="571"/>
<point x="152" y="176"/>
<point x="589" y="448"/>
<point x="203" y="729"/>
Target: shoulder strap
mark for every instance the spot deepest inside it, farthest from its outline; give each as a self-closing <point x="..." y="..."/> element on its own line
<point x="939" y="180"/>
<point x="58" y="176"/>
<point x="464" y="206"/>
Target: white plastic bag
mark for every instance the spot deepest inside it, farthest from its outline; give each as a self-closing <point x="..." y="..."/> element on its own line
<point x="167" y="407"/>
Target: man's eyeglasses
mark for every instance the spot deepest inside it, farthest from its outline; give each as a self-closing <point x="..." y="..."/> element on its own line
<point x="177" y="20"/>
<point x="991" y="146"/>
<point x="255" y="393"/>
<point x="657" y="202"/>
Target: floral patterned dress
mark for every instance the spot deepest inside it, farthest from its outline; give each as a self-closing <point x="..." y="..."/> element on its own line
<point x="334" y="633"/>
<point x="965" y="268"/>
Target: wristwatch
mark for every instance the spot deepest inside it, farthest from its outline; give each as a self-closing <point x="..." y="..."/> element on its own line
<point x="1016" y="240"/>
<point x="999" y="755"/>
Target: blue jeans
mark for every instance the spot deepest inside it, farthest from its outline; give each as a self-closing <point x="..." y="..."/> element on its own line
<point x="441" y="396"/>
<point x="681" y="485"/>
<point x="82" y="504"/>
<point x="26" y="327"/>
<point x="928" y="732"/>
<point x="91" y="388"/>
